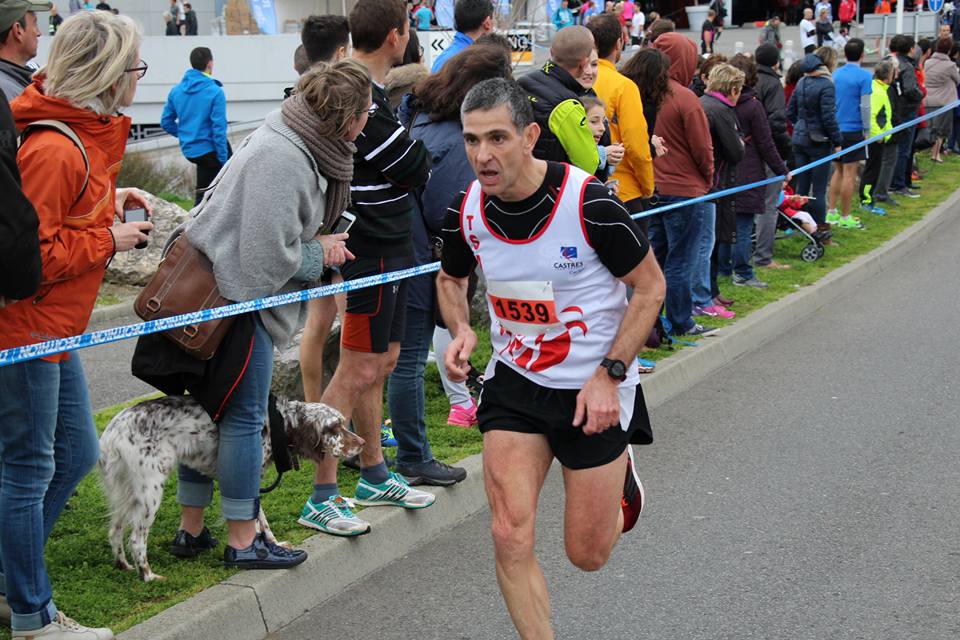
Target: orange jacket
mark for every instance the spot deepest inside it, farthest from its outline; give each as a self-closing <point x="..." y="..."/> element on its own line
<point x="627" y="125"/>
<point x="75" y="240"/>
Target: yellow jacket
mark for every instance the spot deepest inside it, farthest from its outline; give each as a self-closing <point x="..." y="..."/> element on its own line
<point x="627" y="125"/>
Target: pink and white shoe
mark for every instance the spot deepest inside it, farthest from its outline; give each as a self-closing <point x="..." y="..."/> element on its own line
<point x="719" y="311"/>
<point x="462" y="415"/>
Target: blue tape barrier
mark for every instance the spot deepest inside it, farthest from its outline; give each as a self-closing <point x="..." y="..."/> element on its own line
<point x="50" y="347"/>
<point x="807" y="167"/>
<point x="105" y="336"/>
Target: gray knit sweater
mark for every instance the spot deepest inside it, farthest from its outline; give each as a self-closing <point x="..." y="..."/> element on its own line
<point x="258" y="223"/>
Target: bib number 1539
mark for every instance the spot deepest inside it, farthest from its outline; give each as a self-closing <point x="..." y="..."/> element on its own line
<point x="525" y="308"/>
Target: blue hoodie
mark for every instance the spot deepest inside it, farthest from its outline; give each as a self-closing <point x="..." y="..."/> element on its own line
<point x="196" y="114"/>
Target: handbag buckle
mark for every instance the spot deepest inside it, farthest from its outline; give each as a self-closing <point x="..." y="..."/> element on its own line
<point x="191" y="331"/>
<point x="153" y="305"/>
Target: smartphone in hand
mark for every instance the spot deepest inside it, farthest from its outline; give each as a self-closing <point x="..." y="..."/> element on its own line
<point x="137" y="215"/>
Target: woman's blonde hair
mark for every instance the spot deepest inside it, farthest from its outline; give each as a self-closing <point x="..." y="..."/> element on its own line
<point x="89" y="58"/>
<point x="829" y="57"/>
<point x="338" y="93"/>
<point x="725" y="79"/>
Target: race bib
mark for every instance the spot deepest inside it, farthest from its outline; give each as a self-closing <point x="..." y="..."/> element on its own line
<point x="524" y="308"/>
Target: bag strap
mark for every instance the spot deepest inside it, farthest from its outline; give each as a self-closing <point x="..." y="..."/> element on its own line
<point x="283" y="457"/>
<point x="65" y="130"/>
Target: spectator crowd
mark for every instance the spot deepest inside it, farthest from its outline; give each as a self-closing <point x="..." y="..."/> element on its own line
<point x="357" y="168"/>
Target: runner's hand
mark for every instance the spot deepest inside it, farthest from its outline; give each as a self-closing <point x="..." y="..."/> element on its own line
<point x="598" y="404"/>
<point x="457" y="357"/>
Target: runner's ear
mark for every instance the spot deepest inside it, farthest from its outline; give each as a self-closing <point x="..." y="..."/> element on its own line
<point x="530" y="136"/>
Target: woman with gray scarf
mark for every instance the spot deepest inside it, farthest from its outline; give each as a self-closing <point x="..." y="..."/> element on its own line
<point x="263" y="224"/>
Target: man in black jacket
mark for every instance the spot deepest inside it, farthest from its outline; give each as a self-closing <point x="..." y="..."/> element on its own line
<point x="769" y="89"/>
<point x="564" y="134"/>
<point x="905" y="98"/>
<point x="19" y="240"/>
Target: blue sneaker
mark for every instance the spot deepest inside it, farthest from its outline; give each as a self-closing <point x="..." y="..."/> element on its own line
<point x="387" y="438"/>
<point x="874" y="209"/>
<point x="262" y="555"/>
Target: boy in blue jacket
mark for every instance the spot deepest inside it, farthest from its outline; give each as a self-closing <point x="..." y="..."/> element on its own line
<point x="196" y="114"/>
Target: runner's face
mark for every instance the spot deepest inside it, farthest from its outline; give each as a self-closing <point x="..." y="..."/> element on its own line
<point x="497" y="152"/>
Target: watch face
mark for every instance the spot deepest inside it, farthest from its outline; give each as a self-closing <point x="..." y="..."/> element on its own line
<point x="618" y="370"/>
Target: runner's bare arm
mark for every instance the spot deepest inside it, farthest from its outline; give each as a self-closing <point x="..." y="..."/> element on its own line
<point x="598" y="403"/>
<point x="452" y="297"/>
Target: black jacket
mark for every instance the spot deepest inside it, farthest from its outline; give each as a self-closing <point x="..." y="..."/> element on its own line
<point x="19" y="239"/>
<point x="905" y="93"/>
<point x="547" y="88"/>
<point x="728" y="151"/>
<point x="769" y="90"/>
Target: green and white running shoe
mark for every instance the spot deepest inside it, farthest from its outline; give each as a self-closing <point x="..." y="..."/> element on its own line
<point x="333" y="516"/>
<point x="394" y="492"/>
<point x="833" y="217"/>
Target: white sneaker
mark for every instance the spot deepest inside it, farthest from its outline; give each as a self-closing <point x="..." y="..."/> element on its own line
<point x="333" y="516"/>
<point x="63" y="628"/>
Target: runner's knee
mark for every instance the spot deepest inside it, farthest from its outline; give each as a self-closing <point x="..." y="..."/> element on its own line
<point x="512" y="540"/>
<point x="587" y="556"/>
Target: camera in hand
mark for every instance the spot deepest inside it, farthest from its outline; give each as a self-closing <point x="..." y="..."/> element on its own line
<point x="137" y="215"/>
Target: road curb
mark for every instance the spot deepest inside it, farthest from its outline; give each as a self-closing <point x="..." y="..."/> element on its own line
<point x="251" y="605"/>
<point x="111" y="312"/>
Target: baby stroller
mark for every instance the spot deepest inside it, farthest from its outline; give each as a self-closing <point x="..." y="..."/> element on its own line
<point x="790" y="223"/>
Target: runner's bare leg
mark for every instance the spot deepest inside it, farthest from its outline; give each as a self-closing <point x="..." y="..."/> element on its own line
<point x="514" y="468"/>
<point x="593" y="518"/>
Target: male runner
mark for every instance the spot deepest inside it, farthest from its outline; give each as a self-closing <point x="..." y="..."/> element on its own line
<point x="558" y="252"/>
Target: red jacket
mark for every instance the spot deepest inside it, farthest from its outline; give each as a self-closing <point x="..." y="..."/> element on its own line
<point x="848" y="11"/>
<point x="75" y="241"/>
<point x="687" y="170"/>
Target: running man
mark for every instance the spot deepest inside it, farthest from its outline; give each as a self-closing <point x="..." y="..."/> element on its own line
<point x="558" y="252"/>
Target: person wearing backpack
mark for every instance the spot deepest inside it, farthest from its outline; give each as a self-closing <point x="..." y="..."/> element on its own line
<point x="69" y="170"/>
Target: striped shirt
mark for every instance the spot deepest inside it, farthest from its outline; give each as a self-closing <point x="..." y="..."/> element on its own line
<point x="387" y="166"/>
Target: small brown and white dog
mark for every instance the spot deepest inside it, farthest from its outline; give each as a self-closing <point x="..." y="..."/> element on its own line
<point x="143" y="444"/>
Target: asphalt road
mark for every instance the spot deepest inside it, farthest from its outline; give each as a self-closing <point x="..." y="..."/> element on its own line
<point x="808" y="492"/>
<point x="108" y="368"/>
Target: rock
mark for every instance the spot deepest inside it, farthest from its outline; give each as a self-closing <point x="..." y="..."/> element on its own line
<point x="287" y="380"/>
<point x="479" y="312"/>
<point x="137" y="266"/>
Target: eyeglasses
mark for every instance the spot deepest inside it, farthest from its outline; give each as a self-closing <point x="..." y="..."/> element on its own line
<point x="140" y="71"/>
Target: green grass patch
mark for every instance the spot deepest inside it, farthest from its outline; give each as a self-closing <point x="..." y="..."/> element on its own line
<point x="88" y="587"/>
<point x="180" y="201"/>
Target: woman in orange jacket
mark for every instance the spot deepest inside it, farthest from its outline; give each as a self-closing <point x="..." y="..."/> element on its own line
<point x="47" y="435"/>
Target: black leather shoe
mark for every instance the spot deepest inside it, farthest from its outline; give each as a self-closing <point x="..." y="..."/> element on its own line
<point x="262" y="555"/>
<point x="185" y="545"/>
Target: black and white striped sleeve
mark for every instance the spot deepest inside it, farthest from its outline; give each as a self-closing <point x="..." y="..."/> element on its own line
<point x="386" y="146"/>
<point x="613" y="234"/>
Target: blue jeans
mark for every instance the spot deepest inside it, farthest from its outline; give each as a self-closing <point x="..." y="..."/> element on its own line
<point x="48" y="443"/>
<point x="701" y="283"/>
<point x="735" y="258"/>
<point x="674" y="236"/>
<point x="902" y="171"/>
<point x="405" y="392"/>
<point x="240" y="453"/>
<point x="817" y="178"/>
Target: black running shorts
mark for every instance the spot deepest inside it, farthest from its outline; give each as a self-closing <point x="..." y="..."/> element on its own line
<point x="851" y="138"/>
<point x="375" y="315"/>
<point x="511" y="402"/>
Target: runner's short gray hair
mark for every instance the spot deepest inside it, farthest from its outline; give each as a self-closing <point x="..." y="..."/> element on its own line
<point x="496" y="92"/>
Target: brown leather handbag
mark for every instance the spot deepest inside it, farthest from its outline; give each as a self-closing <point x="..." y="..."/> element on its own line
<point x="184" y="283"/>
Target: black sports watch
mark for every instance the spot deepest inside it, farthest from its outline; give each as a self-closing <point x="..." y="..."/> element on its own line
<point x="615" y="369"/>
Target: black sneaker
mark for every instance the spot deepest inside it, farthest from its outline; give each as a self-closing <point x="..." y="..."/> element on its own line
<point x="433" y="473"/>
<point x="700" y="330"/>
<point x="353" y="462"/>
<point x="907" y="193"/>
<point x="185" y="545"/>
<point x="262" y="555"/>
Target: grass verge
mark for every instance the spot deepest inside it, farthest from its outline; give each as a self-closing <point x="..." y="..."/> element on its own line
<point x="88" y="587"/>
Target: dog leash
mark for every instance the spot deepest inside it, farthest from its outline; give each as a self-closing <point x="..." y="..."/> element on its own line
<point x="284" y="459"/>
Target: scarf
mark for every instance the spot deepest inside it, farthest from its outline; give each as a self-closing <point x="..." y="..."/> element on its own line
<point x="334" y="158"/>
